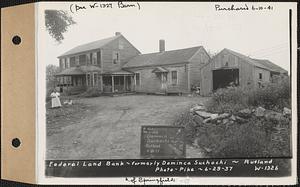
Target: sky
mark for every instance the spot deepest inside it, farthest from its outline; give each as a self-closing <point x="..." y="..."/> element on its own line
<point x="260" y="34"/>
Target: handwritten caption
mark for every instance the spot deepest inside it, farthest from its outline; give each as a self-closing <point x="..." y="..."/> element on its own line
<point x="75" y="7"/>
<point x="244" y="7"/>
<point x="148" y="180"/>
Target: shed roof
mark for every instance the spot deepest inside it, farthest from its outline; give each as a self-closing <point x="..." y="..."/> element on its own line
<point x="160" y="70"/>
<point x="80" y="70"/>
<point x="90" y="46"/>
<point x="163" y="58"/>
<point x="118" y="72"/>
<point x="262" y="63"/>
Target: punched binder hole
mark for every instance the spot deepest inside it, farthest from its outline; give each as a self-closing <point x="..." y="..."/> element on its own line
<point x="16" y="142"/>
<point x="16" y="40"/>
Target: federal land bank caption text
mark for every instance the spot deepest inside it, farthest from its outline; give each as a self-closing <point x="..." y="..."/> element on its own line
<point x="166" y="166"/>
<point x="74" y="8"/>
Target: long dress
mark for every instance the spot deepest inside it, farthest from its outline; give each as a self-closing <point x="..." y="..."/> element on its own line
<point x="55" y="99"/>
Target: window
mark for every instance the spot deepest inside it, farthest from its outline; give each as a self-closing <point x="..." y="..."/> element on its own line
<point x="116" y="57"/>
<point x="260" y="76"/>
<point x="77" y="60"/>
<point x="95" y="79"/>
<point x="88" y="58"/>
<point x="174" y="77"/>
<point x="82" y="59"/>
<point x="137" y="79"/>
<point x="68" y="62"/>
<point x="72" y="61"/>
<point x="94" y="58"/>
<point x="63" y="63"/>
<point x="69" y="80"/>
<point x="99" y="58"/>
<point x="88" y="79"/>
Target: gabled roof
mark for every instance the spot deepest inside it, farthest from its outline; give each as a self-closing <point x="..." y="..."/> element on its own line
<point x="163" y="58"/>
<point x="261" y="63"/>
<point x="80" y="70"/>
<point x="90" y="46"/>
<point x="273" y="67"/>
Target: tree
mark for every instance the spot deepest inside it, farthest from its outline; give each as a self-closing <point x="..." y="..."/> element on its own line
<point x="51" y="70"/>
<point x="57" y="23"/>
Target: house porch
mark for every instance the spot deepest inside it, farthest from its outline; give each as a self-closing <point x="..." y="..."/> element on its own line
<point x="118" y="82"/>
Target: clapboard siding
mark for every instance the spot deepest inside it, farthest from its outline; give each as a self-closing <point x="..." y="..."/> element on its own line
<point x="196" y="62"/>
<point x="125" y="53"/>
<point x="151" y="82"/>
<point x="228" y="60"/>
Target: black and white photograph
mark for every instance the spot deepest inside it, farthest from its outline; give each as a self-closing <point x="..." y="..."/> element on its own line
<point x="167" y="82"/>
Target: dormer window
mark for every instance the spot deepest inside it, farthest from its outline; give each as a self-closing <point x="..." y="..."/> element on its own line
<point x="116" y="57"/>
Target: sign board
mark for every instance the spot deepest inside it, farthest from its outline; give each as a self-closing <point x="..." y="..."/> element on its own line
<point x="162" y="142"/>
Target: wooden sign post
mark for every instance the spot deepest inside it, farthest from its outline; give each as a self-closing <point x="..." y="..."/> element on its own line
<point x="162" y="142"/>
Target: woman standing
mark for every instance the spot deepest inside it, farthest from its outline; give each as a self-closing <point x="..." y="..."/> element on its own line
<point x="55" y="99"/>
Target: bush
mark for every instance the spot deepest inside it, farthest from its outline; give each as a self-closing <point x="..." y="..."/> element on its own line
<point x="231" y="100"/>
<point x="256" y="138"/>
<point x="92" y="92"/>
<point x="273" y="96"/>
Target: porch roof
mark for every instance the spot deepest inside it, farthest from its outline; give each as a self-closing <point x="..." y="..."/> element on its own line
<point x="118" y="72"/>
<point x="79" y="70"/>
<point x="160" y="70"/>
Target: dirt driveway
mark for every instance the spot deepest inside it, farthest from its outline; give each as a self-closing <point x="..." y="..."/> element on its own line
<point x="111" y="128"/>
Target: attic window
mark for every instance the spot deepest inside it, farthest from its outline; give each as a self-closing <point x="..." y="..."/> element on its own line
<point x="226" y="64"/>
<point x="260" y="76"/>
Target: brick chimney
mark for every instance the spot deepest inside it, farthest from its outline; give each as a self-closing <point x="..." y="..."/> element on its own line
<point x="161" y="46"/>
<point x="117" y="33"/>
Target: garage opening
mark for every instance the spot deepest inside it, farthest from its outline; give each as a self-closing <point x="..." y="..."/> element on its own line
<point x="223" y="78"/>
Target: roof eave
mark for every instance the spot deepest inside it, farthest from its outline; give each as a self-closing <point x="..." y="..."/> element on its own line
<point x="91" y="49"/>
<point x="156" y="65"/>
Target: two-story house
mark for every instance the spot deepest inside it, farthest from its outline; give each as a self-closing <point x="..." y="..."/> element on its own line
<point x="115" y="65"/>
<point x="98" y="64"/>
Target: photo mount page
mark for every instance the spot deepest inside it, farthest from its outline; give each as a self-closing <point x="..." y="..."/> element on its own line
<point x="166" y="93"/>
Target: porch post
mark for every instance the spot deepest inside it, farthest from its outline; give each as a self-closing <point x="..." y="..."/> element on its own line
<point x="124" y="87"/>
<point x="86" y="80"/>
<point x="112" y="84"/>
<point x="132" y="83"/>
<point x="101" y="83"/>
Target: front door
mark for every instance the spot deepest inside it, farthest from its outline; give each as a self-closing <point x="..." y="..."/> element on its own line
<point x="164" y="80"/>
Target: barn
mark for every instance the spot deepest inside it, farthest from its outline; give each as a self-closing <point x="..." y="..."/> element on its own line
<point x="232" y="68"/>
